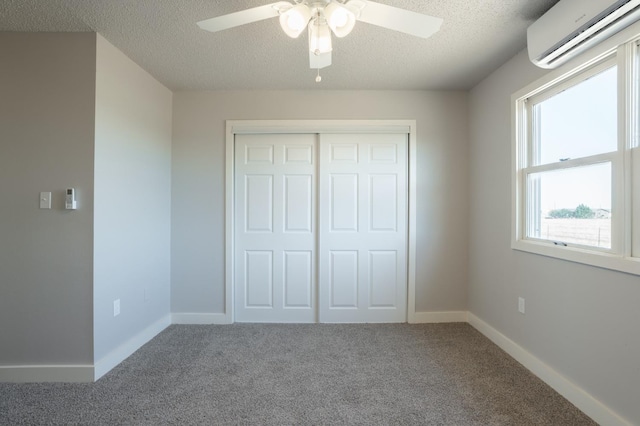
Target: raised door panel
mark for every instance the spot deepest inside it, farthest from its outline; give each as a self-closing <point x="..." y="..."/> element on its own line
<point x="298" y="279"/>
<point x="343" y="283"/>
<point x="343" y="153"/>
<point x="383" y="203"/>
<point x="258" y="154"/>
<point x="259" y="203"/>
<point x="299" y="154"/>
<point x="258" y="279"/>
<point x="344" y="202"/>
<point x="383" y="153"/>
<point x="298" y="200"/>
<point x="383" y="269"/>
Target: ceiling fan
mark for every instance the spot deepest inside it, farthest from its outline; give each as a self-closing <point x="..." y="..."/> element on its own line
<point x="323" y="17"/>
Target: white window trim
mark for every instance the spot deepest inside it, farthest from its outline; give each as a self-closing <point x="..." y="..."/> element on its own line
<point x="632" y="135"/>
<point x="620" y="258"/>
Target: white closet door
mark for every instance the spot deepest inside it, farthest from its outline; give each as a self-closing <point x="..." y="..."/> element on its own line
<point x="363" y="228"/>
<point x="275" y="228"/>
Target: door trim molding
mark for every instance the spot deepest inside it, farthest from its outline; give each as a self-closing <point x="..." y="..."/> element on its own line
<point x="235" y="127"/>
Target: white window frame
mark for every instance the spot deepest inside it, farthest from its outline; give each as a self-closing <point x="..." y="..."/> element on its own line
<point x="633" y="135"/>
<point x="615" y="158"/>
<point x="622" y="50"/>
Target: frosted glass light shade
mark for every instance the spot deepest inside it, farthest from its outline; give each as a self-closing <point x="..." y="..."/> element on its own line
<point x="319" y="37"/>
<point x="340" y="19"/>
<point x="295" y="20"/>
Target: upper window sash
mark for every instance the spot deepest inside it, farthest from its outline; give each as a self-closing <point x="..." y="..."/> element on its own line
<point x="524" y="131"/>
<point x="538" y="149"/>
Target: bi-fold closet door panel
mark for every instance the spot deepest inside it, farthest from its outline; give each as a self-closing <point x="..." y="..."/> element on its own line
<point x="275" y="235"/>
<point x="320" y="227"/>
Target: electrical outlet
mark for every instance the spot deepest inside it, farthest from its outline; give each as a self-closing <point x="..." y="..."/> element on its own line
<point x="116" y="307"/>
<point x="521" y="305"/>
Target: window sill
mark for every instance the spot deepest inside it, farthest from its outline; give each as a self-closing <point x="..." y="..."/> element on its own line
<point x="629" y="265"/>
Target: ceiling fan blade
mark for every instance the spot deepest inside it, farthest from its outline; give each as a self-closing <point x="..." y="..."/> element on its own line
<point x="398" y="19"/>
<point x="243" y="17"/>
<point x="319" y="61"/>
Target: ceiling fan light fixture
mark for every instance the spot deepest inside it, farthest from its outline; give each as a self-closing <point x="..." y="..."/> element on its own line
<point x="341" y="19"/>
<point x="295" y="20"/>
<point x="325" y="18"/>
<point x="319" y="37"/>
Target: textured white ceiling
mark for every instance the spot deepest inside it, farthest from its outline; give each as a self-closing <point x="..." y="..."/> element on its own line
<point x="162" y="36"/>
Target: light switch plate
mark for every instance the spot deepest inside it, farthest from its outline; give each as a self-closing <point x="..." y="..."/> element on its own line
<point x="45" y="200"/>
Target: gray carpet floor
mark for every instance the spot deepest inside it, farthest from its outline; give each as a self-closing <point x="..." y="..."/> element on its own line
<point x="385" y="374"/>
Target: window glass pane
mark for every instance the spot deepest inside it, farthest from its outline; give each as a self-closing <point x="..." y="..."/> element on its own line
<point x="571" y="205"/>
<point x="577" y="122"/>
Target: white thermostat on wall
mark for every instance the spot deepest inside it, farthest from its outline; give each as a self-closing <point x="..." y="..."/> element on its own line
<point x="70" y="200"/>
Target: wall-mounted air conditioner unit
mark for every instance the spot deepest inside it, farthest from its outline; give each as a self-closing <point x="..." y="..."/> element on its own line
<point x="572" y="26"/>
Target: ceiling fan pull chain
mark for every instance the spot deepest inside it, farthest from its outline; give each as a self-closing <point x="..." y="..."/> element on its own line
<point x="318" y="78"/>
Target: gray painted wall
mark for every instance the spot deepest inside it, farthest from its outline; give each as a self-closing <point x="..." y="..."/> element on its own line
<point x="69" y="102"/>
<point x="197" y="251"/>
<point x="132" y="199"/>
<point x="580" y="320"/>
<point x="47" y="99"/>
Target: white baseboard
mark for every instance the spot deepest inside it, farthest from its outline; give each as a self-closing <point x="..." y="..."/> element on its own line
<point x="576" y="395"/>
<point x="418" y="318"/>
<point x="437" y="317"/>
<point x="46" y="373"/>
<point x="202" y="319"/>
<point x="123" y="351"/>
